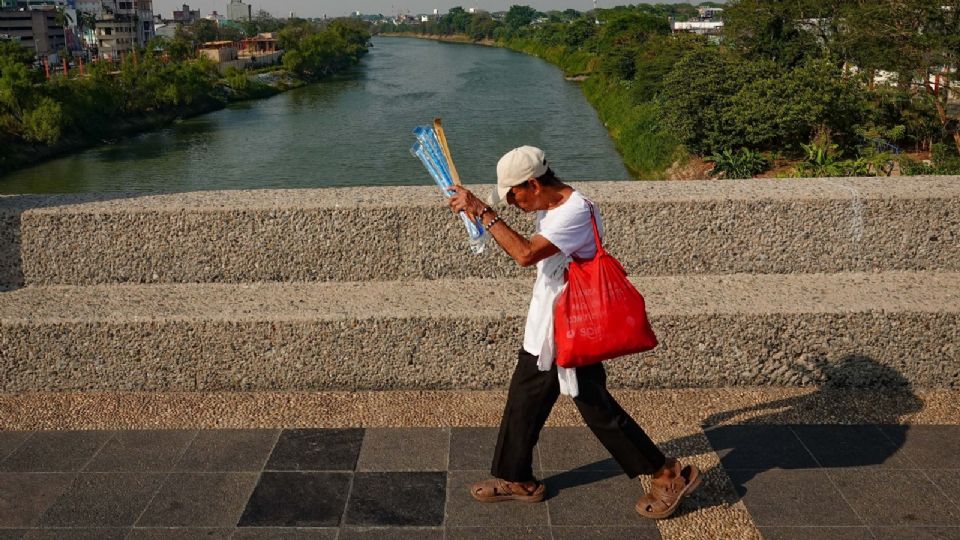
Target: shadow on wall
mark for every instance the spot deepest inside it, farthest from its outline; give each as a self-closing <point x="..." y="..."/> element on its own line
<point x="12" y="210"/>
<point x="851" y="420"/>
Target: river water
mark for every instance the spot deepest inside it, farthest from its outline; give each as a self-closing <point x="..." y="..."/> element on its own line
<point x="355" y="130"/>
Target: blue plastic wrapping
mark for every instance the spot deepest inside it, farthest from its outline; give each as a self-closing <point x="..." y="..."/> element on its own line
<point x="428" y="150"/>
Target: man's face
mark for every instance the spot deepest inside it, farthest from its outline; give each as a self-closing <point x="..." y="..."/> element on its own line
<point x="522" y="196"/>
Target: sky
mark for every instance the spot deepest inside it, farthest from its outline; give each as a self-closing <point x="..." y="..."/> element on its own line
<point x="333" y="8"/>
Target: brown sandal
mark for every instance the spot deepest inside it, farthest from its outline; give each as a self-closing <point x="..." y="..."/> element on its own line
<point x="667" y="493"/>
<point x="497" y="490"/>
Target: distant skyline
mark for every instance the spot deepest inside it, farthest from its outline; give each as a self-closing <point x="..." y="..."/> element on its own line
<point x="332" y="8"/>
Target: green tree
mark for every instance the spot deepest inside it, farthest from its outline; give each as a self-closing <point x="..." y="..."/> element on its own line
<point x="657" y="57"/>
<point x="622" y="37"/>
<point x="931" y="55"/>
<point x="919" y="40"/>
<point x="11" y="51"/>
<point x="519" y="17"/>
<point x="459" y="20"/>
<point x="787" y="108"/>
<point x="320" y="55"/>
<point x="693" y="110"/>
<point x="290" y="37"/>
<point x="62" y="18"/>
<point x="482" y="26"/>
<point x="17" y="79"/>
<point x="181" y="47"/>
<point x="579" y="32"/>
<point x="44" y="122"/>
<point x="188" y="83"/>
<point x="772" y="30"/>
<point x="356" y="33"/>
<point x="85" y="21"/>
<point x="231" y="33"/>
<point x="203" y="30"/>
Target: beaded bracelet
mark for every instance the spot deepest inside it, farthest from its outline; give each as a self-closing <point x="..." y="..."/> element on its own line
<point x="492" y="223"/>
<point x="484" y="211"/>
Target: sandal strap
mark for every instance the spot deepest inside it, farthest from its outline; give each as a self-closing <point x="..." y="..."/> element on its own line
<point x="508" y="487"/>
<point x="497" y="487"/>
<point x="668" y="493"/>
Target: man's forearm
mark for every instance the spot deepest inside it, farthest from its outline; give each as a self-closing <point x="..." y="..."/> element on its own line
<point x="512" y="242"/>
<point x="525" y="252"/>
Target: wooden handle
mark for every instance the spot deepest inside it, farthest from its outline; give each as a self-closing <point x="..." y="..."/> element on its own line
<point x="442" y="137"/>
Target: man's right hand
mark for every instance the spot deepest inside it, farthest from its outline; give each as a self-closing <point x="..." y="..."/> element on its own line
<point x="464" y="200"/>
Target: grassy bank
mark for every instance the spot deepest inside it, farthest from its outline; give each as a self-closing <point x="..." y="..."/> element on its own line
<point x="573" y="63"/>
<point x="647" y="149"/>
<point x="453" y="38"/>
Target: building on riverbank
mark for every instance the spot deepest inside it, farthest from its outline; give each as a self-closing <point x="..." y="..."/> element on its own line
<point x="254" y="52"/>
<point x="26" y="5"/>
<point x="261" y="44"/>
<point x="238" y="11"/>
<point x="36" y="30"/>
<point x="709" y="28"/>
<point x="123" y="25"/>
<point x="260" y="50"/>
<point x="219" y="51"/>
<point x="186" y="15"/>
<point x="709" y="22"/>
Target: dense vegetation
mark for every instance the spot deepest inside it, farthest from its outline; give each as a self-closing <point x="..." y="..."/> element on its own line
<point x="828" y="86"/>
<point x="154" y="85"/>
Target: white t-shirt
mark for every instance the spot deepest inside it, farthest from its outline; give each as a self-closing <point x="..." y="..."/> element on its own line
<point x="567" y="227"/>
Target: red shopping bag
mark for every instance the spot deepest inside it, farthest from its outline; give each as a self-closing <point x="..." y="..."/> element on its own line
<point x="600" y="315"/>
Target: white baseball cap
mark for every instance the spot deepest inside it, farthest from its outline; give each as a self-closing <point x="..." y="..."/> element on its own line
<point x="516" y="167"/>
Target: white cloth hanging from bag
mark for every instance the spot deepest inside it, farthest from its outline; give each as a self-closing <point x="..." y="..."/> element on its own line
<point x="568" y="227"/>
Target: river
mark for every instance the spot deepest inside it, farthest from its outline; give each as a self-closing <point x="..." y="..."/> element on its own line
<point x="355" y="130"/>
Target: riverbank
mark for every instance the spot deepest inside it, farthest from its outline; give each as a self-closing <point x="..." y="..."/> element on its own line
<point x="648" y="151"/>
<point x="19" y="155"/>
<point x="305" y="138"/>
<point x="453" y="38"/>
<point x="53" y="117"/>
<point x="25" y="155"/>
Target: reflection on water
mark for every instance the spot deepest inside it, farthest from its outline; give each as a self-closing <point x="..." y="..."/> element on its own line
<point x="355" y="129"/>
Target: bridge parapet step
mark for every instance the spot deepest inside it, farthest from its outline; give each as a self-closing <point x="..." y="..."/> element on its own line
<point x="716" y="330"/>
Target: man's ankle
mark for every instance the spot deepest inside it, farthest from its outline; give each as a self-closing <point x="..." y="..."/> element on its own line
<point x="667" y="470"/>
<point x="525" y="483"/>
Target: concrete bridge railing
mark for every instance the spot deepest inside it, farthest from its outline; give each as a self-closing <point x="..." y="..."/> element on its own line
<point x="655" y="228"/>
<point x="763" y="282"/>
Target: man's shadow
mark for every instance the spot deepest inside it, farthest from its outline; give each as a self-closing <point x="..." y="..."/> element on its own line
<point x="852" y="419"/>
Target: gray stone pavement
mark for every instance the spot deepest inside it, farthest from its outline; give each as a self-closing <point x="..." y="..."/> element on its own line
<point x="796" y="481"/>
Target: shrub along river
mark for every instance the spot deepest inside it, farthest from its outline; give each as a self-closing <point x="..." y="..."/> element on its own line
<point x="355" y="130"/>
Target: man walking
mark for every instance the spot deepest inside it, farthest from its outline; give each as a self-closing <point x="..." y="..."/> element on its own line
<point x="563" y="229"/>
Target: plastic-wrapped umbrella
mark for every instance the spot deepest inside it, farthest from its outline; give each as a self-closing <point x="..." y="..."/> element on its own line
<point x="431" y="148"/>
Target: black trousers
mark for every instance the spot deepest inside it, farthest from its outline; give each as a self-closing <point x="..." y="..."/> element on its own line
<point x="529" y="401"/>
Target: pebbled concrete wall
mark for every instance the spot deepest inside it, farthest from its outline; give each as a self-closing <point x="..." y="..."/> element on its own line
<point x="790" y="330"/>
<point x="362" y="234"/>
<point x="760" y="282"/>
<point x="422" y="353"/>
